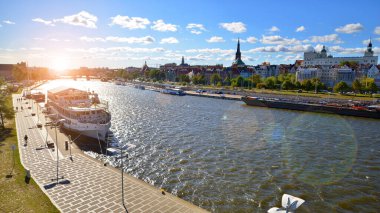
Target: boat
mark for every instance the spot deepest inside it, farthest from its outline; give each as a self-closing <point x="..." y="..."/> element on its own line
<point x="173" y="91"/>
<point x="336" y="108"/>
<point x="142" y="87"/>
<point x="81" y="111"/>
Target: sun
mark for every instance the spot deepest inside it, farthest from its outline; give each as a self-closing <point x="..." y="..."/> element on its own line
<point x="60" y="64"/>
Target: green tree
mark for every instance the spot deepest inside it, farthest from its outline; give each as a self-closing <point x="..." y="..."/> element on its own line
<point x="297" y="85"/>
<point x="372" y="87"/>
<point x="6" y="109"/>
<point x="184" y="78"/>
<point x="341" y="87"/>
<point x="198" y="79"/>
<point x="215" y="78"/>
<point x="260" y="86"/>
<point x="357" y="86"/>
<point x="270" y="82"/>
<point x="227" y="80"/>
<point x="307" y="85"/>
<point x="19" y="71"/>
<point x="287" y="85"/>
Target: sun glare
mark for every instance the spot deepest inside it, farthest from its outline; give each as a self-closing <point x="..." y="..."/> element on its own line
<point x="60" y="64"/>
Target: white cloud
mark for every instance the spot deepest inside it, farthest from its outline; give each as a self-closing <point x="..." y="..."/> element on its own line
<point x="46" y="22"/>
<point x="8" y="22"/>
<point x="293" y="57"/>
<point x="169" y="40"/>
<point x="54" y="39"/>
<point x="132" y="40"/>
<point x="117" y="49"/>
<point x="83" y="19"/>
<point x="160" y="25"/>
<point x="195" y="28"/>
<point x="251" y="39"/>
<point x="333" y="38"/>
<point x="235" y="27"/>
<point x="274" y="29"/>
<point x="377" y="30"/>
<point x="276" y="39"/>
<point x="199" y="57"/>
<point x="350" y="28"/>
<point x="300" y="29"/>
<point x="215" y="39"/>
<point x="91" y="39"/>
<point x="211" y="51"/>
<point x="282" y="48"/>
<point x="130" y="22"/>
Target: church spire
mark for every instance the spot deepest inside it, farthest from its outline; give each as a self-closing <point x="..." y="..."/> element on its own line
<point x="183" y="60"/>
<point x="238" y="53"/>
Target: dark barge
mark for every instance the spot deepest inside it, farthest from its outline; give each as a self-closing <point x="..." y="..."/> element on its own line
<point x="361" y="111"/>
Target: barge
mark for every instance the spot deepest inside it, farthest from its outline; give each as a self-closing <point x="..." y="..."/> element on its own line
<point x="358" y="111"/>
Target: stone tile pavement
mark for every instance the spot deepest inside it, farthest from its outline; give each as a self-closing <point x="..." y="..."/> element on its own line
<point x="88" y="185"/>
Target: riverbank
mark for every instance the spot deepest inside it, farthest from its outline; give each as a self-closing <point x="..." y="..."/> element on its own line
<point x="15" y="194"/>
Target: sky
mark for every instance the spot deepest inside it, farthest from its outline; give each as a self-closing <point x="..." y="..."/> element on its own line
<point x="121" y="33"/>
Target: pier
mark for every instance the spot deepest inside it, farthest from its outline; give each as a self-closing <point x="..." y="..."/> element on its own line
<point x="85" y="184"/>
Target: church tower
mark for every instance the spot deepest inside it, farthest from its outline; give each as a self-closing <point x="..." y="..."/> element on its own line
<point x="369" y="51"/>
<point x="238" y="62"/>
<point x="238" y="53"/>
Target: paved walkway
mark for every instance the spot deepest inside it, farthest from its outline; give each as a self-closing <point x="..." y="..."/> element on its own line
<point x="88" y="186"/>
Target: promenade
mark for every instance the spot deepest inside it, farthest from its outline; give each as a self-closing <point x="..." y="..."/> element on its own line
<point x="88" y="185"/>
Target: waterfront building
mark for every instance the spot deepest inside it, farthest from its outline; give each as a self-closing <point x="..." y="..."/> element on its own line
<point x="266" y="71"/>
<point x="345" y="74"/>
<point x="306" y="73"/>
<point x="314" y="58"/>
<point x="6" y="71"/>
<point x="372" y="71"/>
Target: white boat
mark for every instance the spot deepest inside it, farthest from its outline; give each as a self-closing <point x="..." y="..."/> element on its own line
<point x="81" y="112"/>
<point x="173" y="91"/>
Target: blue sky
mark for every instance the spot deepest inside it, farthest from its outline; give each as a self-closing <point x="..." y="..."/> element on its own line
<point x="73" y="33"/>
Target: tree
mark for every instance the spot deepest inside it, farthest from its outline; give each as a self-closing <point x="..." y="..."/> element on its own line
<point x="184" y="78"/>
<point x="341" y="87"/>
<point x="6" y="109"/>
<point x="270" y="82"/>
<point x="372" y="87"/>
<point x="19" y="72"/>
<point x="227" y="81"/>
<point x="357" y="86"/>
<point x="307" y="85"/>
<point x="287" y="85"/>
<point x="198" y="79"/>
<point x="215" y="78"/>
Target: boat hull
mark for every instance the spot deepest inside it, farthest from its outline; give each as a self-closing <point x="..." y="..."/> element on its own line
<point x="310" y="107"/>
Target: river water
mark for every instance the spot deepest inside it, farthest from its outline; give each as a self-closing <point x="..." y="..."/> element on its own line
<point x="225" y="156"/>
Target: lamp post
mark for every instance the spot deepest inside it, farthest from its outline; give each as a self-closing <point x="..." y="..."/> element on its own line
<point x="56" y="145"/>
<point x="122" y="177"/>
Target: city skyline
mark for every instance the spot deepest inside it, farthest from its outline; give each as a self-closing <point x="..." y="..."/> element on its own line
<point x="119" y="33"/>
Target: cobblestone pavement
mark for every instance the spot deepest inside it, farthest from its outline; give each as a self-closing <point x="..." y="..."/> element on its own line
<point x="88" y="185"/>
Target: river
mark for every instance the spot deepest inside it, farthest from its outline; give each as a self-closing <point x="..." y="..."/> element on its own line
<point x="228" y="157"/>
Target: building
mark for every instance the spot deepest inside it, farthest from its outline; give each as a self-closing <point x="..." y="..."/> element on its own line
<point x="304" y="73"/>
<point x="238" y="63"/>
<point x="314" y="58"/>
<point x="6" y="71"/>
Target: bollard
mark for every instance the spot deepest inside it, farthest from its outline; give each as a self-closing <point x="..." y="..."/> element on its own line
<point x="27" y="176"/>
<point x="66" y="145"/>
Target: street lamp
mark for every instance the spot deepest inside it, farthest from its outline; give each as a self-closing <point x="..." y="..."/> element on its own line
<point x="56" y="144"/>
<point x="122" y="176"/>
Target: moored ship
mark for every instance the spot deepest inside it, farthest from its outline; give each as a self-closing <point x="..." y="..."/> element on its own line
<point x="359" y="111"/>
<point x="81" y="112"/>
<point x="173" y="91"/>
